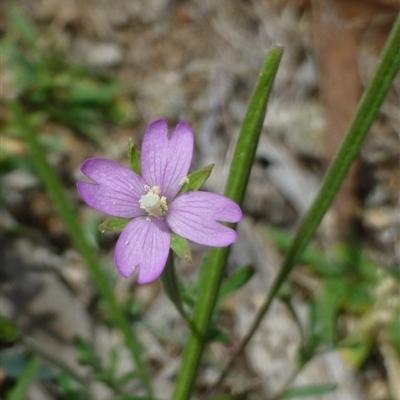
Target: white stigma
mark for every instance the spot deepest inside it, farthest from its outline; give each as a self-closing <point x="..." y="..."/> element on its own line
<point x="154" y="205"/>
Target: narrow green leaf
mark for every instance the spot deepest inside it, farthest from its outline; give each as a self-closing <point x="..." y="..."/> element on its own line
<point x="126" y="378"/>
<point x="235" y="281"/>
<point x="56" y="190"/>
<point x="22" y="385"/>
<point x="69" y="387"/>
<point x="328" y="307"/>
<point x="15" y="363"/>
<point x="311" y="339"/>
<point x="359" y="297"/>
<point x="212" y="273"/>
<point x="23" y="26"/>
<point x="8" y="330"/>
<point x="394" y="329"/>
<point x="216" y="335"/>
<point x="134" y="157"/>
<point x="181" y="247"/>
<point x="86" y="354"/>
<point x="308" y="390"/>
<point x="89" y="91"/>
<point x="112" y="367"/>
<point x="196" y="179"/>
<point x="114" y="224"/>
<point x="395" y="272"/>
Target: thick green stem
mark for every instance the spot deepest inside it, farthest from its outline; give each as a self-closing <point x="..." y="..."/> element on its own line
<point x="212" y="273"/>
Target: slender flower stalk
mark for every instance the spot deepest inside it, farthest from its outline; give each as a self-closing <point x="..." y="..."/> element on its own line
<point x="153" y="203"/>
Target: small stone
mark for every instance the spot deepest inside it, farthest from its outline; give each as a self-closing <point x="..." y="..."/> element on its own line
<point x="100" y="55"/>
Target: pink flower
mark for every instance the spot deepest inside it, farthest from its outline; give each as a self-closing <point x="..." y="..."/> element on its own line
<point x="153" y="203"/>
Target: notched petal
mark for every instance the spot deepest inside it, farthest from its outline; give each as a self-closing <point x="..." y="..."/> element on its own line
<point x="166" y="161"/>
<point x="144" y="243"/>
<point x="116" y="189"/>
<point x="180" y="153"/>
<point x="195" y="216"/>
<point x="154" y="152"/>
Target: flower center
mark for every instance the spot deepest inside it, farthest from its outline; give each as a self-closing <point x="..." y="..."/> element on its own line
<point x="154" y="205"/>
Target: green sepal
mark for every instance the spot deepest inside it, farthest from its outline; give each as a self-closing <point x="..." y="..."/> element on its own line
<point x="114" y="224"/>
<point x="181" y="247"/>
<point x="134" y="157"/>
<point x="196" y="179"/>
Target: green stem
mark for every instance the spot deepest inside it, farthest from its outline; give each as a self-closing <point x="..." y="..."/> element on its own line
<point x="375" y="93"/>
<point x="212" y="273"/>
<point x="57" y="192"/>
<point x="171" y="287"/>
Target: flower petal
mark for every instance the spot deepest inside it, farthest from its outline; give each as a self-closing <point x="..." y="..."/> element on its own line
<point x="144" y="243"/>
<point x="116" y="190"/>
<point x="165" y="162"/>
<point x="194" y="216"/>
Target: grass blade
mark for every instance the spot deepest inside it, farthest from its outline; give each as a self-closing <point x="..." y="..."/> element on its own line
<point x="22" y="385"/>
<point x="67" y="213"/>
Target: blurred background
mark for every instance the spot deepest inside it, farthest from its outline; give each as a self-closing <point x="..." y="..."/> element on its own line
<point x="90" y="74"/>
